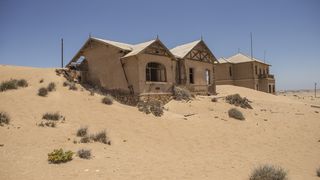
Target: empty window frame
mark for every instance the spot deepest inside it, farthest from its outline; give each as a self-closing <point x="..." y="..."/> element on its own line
<point x="207" y="76"/>
<point x="155" y="72"/>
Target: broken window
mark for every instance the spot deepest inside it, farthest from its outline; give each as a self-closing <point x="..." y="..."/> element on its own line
<point x="256" y="69"/>
<point x="155" y="72"/>
<point x="191" y="76"/>
<point x="230" y="71"/>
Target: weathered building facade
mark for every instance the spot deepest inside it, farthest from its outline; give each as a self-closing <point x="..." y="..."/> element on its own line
<point x="146" y="68"/>
<point x="241" y="70"/>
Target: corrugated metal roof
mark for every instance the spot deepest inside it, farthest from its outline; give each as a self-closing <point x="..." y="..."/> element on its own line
<point x="136" y="49"/>
<point x="120" y="45"/>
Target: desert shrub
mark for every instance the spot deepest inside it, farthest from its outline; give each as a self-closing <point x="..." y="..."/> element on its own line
<point x="6" y="85"/>
<point x="214" y="100"/>
<point x="268" y="172"/>
<point x="43" y="92"/>
<point x="4" y="118"/>
<point x="59" y="156"/>
<point x="66" y="83"/>
<point x="235" y="113"/>
<point x="101" y="137"/>
<point x="237" y="100"/>
<point x="50" y="124"/>
<point x="51" y="86"/>
<point x="180" y="93"/>
<point x="85" y="139"/>
<point x="84" y="153"/>
<point x="41" y="81"/>
<point x="52" y="116"/>
<point x="107" y="100"/>
<point x="153" y="106"/>
<point x="82" y="131"/>
<point x="22" y="83"/>
<point x="318" y="172"/>
<point x="72" y="86"/>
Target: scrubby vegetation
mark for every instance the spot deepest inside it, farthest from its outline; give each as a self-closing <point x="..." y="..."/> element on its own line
<point x="214" y="100"/>
<point x="318" y="172"/>
<point x="51" y="87"/>
<point x="22" y="83"/>
<point x="84" y="153"/>
<point x="4" y="118"/>
<point x="71" y="85"/>
<point x="13" y="84"/>
<point x="237" y="100"/>
<point x="43" y="92"/>
<point x="153" y="106"/>
<point x="41" y="81"/>
<point x="52" y="116"/>
<point x="101" y="137"/>
<point x="269" y="172"/>
<point x="235" y="113"/>
<point x="81" y="132"/>
<point x="107" y="100"/>
<point x="59" y="156"/>
<point x="48" y="124"/>
<point x="85" y="139"/>
<point x="180" y="93"/>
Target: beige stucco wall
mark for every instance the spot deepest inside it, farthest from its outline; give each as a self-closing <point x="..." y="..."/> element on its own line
<point x="104" y="66"/>
<point x="154" y="87"/>
<point x="222" y="74"/>
<point x="199" y="68"/>
<point x="243" y="71"/>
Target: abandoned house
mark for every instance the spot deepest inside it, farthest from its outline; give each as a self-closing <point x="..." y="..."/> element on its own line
<point x="242" y="70"/>
<point x="145" y="69"/>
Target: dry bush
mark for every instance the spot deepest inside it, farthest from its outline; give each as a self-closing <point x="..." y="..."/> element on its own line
<point x="153" y="106"/>
<point x="235" y="113"/>
<point x="268" y="172"/>
<point x="214" y="100"/>
<point x="4" y="118"/>
<point x="22" y="83"/>
<point x="107" y="99"/>
<point x="48" y="124"/>
<point x="66" y="83"/>
<point x="73" y="87"/>
<point x="51" y="87"/>
<point x="43" y="92"/>
<point x="7" y="85"/>
<point x="41" y="81"/>
<point x="59" y="156"/>
<point x="84" y="153"/>
<point x="180" y="93"/>
<point x="52" y="116"/>
<point x="237" y="100"/>
<point x="85" y="139"/>
<point x="318" y="172"/>
<point x="82" y="131"/>
<point x="101" y="137"/>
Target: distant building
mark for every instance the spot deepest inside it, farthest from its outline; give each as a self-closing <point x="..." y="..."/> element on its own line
<point x="146" y="68"/>
<point x="242" y="70"/>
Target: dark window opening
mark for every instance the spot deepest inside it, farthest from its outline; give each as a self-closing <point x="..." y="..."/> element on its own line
<point x="230" y="71"/>
<point x="273" y="88"/>
<point x="259" y="71"/>
<point x="155" y="72"/>
<point x="270" y="88"/>
<point x="191" y="76"/>
<point x="256" y="69"/>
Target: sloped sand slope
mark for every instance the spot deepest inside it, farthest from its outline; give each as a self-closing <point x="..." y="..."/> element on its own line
<point x="207" y="145"/>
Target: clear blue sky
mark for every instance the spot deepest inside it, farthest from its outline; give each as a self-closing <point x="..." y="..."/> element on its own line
<point x="289" y="30"/>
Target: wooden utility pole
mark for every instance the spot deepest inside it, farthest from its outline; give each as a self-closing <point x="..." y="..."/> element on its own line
<point x="315" y="90"/>
<point x="61" y="52"/>
<point x="251" y="45"/>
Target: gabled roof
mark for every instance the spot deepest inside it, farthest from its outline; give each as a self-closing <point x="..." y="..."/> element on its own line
<point x="222" y="60"/>
<point x="136" y="49"/>
<point x="242" y="58"/>
<point x="182" y="50"/>
<point x="120" y="45"/>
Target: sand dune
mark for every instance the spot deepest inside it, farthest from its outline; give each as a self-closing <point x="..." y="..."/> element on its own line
<point x="207" y="145"/>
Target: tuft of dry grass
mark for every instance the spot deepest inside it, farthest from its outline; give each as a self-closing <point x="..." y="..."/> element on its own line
<point x="269" y="172"/>
<point x="51" y="87"/>
<point x="237" y="100"/>
<point x="43" y="92"/>
<point x="51" y="116"/>
<point x="107" y="100"/>
<point x="180" y="93"/>
<point x="4" y="118"/>
<point x="235" y="113"/>
<point x="101" y="137"/>
<point x="22" y="83"/>
<point x="82" y="131"/>
<point x="84" y="153"/>
<point x="154" y="106"/>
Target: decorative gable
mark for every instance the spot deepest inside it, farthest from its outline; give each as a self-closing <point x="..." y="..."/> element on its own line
<point x="200" y="53"/>
<point x="157" y="48"/>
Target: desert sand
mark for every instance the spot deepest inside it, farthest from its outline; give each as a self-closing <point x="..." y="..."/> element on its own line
<point x="278" y="130"/>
